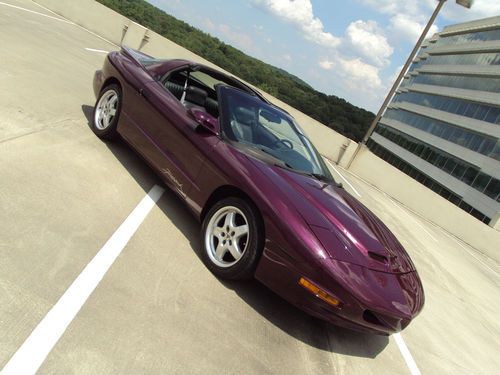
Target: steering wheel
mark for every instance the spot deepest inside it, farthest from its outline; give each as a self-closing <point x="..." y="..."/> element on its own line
<point x="285" y="142"/>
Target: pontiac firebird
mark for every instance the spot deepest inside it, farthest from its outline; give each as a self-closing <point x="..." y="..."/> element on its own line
<point x="268" y="204"/>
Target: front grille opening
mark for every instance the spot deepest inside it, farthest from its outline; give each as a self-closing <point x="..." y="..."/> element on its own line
<point x="377" y="257"/>
<point x="371" y="318"/>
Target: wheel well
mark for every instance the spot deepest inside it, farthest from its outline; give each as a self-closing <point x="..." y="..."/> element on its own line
<point x="110" y="81"/>
<point x="227" y="191"/>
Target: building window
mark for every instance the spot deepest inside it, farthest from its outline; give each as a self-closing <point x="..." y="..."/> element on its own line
<point x="455" y="167"/>
<point x="483" y="144"/>
<point x="481" y="181"/>
<point x="462" y="82"/>
<point x="492" y="58"/>
<point x="493" y="189"/>
<point x="425" y="180"/>
<point x="481" y="36"/>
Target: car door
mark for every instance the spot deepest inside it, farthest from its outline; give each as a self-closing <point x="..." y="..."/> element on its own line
<point x="171" y="139"/>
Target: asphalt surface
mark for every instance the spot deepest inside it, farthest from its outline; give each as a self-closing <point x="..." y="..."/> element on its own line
<point x="63" y="193"/>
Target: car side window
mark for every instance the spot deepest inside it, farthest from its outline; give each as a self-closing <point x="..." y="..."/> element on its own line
<point x="175" y="83"/>
<point x="192" y="91"/>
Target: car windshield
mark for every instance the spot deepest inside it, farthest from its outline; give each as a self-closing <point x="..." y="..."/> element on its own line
<point x="248" y="120"/>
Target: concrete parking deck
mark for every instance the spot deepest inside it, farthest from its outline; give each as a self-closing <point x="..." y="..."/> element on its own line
<point x="63" y="193"/>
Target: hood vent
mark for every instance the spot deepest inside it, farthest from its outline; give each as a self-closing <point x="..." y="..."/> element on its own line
<point x="378" y="257"/>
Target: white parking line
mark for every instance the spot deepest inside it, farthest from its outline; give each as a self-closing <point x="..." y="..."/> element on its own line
<point x="30" y="356"/>
<point x="67" y="21"/>
<point x="471" y="252"/>
<point x="96" y="50"/>
<point x="414" y="220"/>
<point x="410" y="362"/>
<point x="343" y="178"/>
<point x="32" y="11"/>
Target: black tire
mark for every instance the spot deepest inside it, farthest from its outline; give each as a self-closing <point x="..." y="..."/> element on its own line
<point x="252" y="244"/>
<point x="107" y="132"/>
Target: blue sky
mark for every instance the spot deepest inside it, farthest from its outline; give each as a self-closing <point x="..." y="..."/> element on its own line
<point x="349" y="48"/>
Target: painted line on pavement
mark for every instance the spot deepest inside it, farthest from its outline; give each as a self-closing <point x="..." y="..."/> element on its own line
<point x="471" y="252"/>
<point x="81" y="27"/>
<point x="410" y="362"/>
<point x="96" y="50"/>
<point x="40" y="14"/>
<point x="343" y="178"/>
<point x="30" y="356"/>
<point x="56" y="18"/>
<point x="411" y="217"/>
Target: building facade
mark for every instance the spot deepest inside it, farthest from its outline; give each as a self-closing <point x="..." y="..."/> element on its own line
<point x="443" y="125"/>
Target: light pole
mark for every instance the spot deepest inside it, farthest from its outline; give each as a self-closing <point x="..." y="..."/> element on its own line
<point x="464" y="3"/>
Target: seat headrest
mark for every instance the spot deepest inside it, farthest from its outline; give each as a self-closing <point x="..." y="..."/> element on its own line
<point x="244" y="115"/>
<point x="196" y="95"/>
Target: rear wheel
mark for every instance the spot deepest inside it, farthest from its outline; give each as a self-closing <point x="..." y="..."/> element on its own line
<point x="107" y="112"/>
<point x="232" y="239"/>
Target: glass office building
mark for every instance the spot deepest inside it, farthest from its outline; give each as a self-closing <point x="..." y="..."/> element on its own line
<point x="443" y="125"/>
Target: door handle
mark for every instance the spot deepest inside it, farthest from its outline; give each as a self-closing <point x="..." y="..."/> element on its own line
<point x="143" y="93"/>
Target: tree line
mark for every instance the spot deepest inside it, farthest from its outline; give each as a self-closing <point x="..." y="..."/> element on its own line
<point x="330" y="110"/>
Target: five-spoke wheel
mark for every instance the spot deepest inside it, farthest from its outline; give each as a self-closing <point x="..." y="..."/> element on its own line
<point x="107" y="111"/>
<point x="227" y="236"/>
<point x="232" y="239"/>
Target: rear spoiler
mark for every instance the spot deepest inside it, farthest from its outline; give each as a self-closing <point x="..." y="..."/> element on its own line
<point x="139" y="57"/>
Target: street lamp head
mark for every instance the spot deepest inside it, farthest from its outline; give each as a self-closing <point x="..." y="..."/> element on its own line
<point x="465" y="3"/>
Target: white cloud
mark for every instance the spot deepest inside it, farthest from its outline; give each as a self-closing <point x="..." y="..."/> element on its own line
<point x="207" y="22"/>
<point x="356" y="74"/>
<point x="405" y="27"/>
<point x="368" y="39"/>
<point x="300" y="14"/>
<point x="326" y="64"/>
<point x="479" y="9"/>
<point x="407" y="19"/>
<point x="360" y="76"/>
<point x="239" y="39"/>
<point x="394" y="76"/>
<point x="415" y="8"/>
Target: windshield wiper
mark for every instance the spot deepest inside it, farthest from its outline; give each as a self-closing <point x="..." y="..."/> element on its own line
<point x="317" y="176"/>
<point x="282" y="164"/>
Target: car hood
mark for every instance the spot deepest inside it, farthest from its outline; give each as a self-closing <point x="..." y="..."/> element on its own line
<point x="348" y="231"/>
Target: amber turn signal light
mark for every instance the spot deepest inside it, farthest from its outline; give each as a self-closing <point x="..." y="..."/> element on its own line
<point x="318" y="292"/>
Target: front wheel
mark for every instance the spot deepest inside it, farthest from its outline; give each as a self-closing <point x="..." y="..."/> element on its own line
<point x="107" y="112"/>
<point x="232" y="239"/>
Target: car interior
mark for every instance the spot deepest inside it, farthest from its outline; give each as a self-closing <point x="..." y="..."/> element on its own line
<point x="248" y="125"/>
<point x="194" y="89"/>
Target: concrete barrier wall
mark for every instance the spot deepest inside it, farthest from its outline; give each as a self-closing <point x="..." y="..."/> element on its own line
<point x="426" y="203"/>
<point x="118" y="29"/>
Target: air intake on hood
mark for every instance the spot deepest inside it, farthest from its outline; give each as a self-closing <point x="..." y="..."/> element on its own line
<point x="378" y="257"/>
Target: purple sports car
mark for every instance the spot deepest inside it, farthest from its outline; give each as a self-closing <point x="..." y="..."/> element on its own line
<point x="268" y="204"/>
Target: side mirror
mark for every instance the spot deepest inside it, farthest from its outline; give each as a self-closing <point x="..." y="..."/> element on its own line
<point x="205" y="120"/>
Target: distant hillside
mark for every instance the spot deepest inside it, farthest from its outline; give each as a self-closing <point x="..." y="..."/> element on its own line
<point x="293" y="77"/>
<point x="330" y="110"/>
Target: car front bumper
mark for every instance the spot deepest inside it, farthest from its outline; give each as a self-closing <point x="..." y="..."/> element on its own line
<point x="367" y="309"/>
